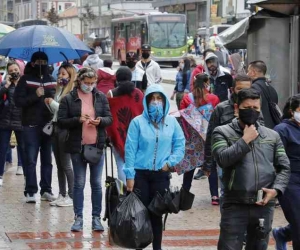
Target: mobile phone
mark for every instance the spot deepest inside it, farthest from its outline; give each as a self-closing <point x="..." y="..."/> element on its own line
<point x="259" y="195"/>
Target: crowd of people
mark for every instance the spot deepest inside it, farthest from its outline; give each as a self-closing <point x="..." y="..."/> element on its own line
<point x="78" y="107"/>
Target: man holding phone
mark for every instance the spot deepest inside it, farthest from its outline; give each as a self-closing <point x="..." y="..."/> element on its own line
<point x="256" y="169"/>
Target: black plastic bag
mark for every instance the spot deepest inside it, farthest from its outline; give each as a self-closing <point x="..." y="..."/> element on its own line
<point x="172" y="201"/>
<point x="157" y="206"/>
<point x="130" y="225"/>
<point x="186" y="200"/>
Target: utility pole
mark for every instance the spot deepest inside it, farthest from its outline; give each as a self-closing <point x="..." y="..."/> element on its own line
<point x="208" y="3"/>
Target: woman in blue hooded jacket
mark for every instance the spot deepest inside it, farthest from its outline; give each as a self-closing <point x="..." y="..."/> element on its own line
<point x="154" y="145"/>
<point x="289" y="131"/>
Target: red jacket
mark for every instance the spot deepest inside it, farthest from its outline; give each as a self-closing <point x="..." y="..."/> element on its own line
<point x="106" y="79"/>
<point x="209" y="98"/>
<point x="198" y="70"/>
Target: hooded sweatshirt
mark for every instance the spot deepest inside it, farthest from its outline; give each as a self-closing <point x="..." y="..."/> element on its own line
<point x="106" y="79"/>
<point x="93" y="61"/>
<point x="150" y="148"/>
<point x="289" y="132"/>
<point x="221" y="82"/>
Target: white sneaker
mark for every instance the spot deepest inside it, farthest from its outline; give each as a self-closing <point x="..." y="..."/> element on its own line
<point x="47" y="197"/>
<point x="65" y="202"/>
<point x="8" y="165"/>
<point x="54" y="203"/>
<point x="30" y="199"/>
<point x="1" y="181"/>
<point x="19" y="170"/>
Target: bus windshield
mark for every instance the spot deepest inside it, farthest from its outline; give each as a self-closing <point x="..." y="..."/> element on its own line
<point x="167" y="34"/>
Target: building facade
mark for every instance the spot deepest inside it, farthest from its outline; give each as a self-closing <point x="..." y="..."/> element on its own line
<point x="7" y="15"/>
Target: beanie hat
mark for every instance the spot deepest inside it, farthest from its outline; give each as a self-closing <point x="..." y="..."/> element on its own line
<point x="123" y="74"/>
<point x="39" y="56"/>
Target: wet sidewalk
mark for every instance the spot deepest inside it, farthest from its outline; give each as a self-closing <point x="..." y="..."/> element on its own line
<point x="40" y="226"/>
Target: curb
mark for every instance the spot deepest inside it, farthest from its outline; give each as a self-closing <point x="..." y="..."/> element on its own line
<point x="169" y="81"/>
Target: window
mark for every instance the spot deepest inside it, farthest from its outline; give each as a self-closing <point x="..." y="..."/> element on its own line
<point x="59" y="7"/>
<point x="44" y="7"/>
<point x="68" y="5"/>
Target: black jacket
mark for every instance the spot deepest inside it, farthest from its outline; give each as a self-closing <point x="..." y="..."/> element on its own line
<point x="10" y="115"/>
<point x="69" y="118"/>
<point x="258" y="84"/>
<point x="249" y="168"/>
<point x="220" y="86"/>
<point x="34" y="110"/>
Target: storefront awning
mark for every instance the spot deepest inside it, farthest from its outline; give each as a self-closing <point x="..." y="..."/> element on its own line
<point x="287" y="7"/>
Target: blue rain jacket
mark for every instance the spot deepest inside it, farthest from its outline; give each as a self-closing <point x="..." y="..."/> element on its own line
<point x="148" y="148"/>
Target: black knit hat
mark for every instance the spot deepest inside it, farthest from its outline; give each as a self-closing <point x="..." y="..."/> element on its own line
<point x="39" y="56"/>
<point x="123" y="74"/>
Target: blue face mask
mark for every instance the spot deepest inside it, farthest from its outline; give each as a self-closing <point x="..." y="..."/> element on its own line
<point x="86" y="89"/>
<point x="156" y="111"/>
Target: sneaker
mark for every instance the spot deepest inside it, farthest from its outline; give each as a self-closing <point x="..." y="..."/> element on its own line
<point x="65" y="202"/>
<point x="96" y="224"/>
<point x="8" y="165"/>
<point x="1" y="181"/>
<point x="200" y="175"/>
<point x="54" y="203"/>
<point x="215" y="201"/>
<point x="279" y="239"/>
<point x="30" y="198"/>
<point x="78" y="225"/>
<point x="47" y="197"/>
<point x="19" y="170"/>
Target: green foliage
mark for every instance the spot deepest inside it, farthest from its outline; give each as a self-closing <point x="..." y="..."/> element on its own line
<point x="52" y="16"/>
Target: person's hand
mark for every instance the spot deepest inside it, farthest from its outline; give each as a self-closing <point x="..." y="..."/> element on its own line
<point x="48" y="101"/>
<point x="129" y="185"/>
<point x="95" y="122"/>
<point x="40" y="91"/>
<point x="172" y="96"/>
<point x="8" y="82"/>
<point x="250" y="133"/>
<point x="269" y="194"/>
<point x="84" y="118"/>
<point x="165" y="168"/>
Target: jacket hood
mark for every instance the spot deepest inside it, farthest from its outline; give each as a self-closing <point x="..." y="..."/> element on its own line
<point x="291" y="122"/>
<point x="106" y="73"/>
<point x="107" y="70"/>
<point x="155" y="88"/>
<point x="212" y="56"/>
<point x="93" y="59"/>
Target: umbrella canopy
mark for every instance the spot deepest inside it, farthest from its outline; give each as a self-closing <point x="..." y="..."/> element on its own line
<point x="57" y="43"/>
<point x="4" y="29"/>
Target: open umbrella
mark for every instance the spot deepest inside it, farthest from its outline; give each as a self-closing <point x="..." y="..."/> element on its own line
<point x="57" y="43"/>
<point x="4" y="29"/>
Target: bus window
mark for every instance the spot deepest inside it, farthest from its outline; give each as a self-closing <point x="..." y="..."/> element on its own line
<point x="121" y="31"/>
<point x="132" y="30"/>
<point x="138" y="29"/>
<point x="128" y="32"/>
<point x="144" y="33"/>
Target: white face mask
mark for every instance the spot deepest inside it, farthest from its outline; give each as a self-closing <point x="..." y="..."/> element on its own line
<point x="297" y="116"/>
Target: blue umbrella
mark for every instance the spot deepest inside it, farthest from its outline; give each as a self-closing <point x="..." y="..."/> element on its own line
<point x="57" y="43"/>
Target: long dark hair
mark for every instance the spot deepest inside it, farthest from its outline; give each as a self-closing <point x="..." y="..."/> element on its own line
<point x="290" y="106"/>
<point x="186" y="68"/>
<point x="199" y="86"/>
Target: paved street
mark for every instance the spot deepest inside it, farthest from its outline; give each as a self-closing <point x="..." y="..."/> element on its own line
<point x="39" y="226"/>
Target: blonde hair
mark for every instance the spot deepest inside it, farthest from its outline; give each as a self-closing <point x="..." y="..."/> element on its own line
<point x="71" y="84"/>
<point x="85" y="72"/>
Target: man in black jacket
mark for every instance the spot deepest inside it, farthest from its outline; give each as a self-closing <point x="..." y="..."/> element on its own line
<point x="255" y="170"/>
<point x="32" y="89"/>
<point x="257" y="71"/>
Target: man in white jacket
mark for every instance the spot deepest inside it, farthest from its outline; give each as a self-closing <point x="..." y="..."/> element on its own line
<point x="151" y="67"/>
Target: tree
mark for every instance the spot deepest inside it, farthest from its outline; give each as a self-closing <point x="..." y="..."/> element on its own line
<point x="52" y="16"/>
<point x="88" y="15"/>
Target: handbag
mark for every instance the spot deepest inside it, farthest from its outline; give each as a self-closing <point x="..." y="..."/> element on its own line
<point x="48" y="128"/>
<point x="91" y="154"/>
<point x="186" y="199"/>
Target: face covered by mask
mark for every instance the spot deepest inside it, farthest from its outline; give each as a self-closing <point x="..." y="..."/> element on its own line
<point x="63" y="81"/>
<point x="156" y="111"/>
<point x="41" y="69"/>
<point x="86" y="89"/>
<point x="131" y="64"/>
<point x="248" y="116"/>
<point x="145" y="55"/>
<point x="297" y="116"/>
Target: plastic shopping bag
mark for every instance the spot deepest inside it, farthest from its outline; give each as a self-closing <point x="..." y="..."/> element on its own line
<point x="130" y="225"/>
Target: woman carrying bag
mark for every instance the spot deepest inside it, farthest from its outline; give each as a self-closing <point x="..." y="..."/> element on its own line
<point x="65" y="83"/>
<point x="154" y="145"/>
<point x="85" y="113"/>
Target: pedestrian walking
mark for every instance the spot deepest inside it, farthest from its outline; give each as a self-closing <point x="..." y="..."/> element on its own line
<point x="93" y="60"/>
<point x="85" y="113"/>
<point x="139" y="77"/>
<point x="223" y="114"/>
<point x="126" y="102"/>
<point x="257" y="71"/>
<point x="106" y="77"/>
<point x="289" y="131"/>
<point x="10" y="116"/>
<point x="182" y="81"/>
<point x="148" y="65"/>
<point x="256" y="169"/>
<point x="34" y="86"/>
<point x="147" y="167"/>
<point x="204" y="102"/>
<point x="65" y="83"/>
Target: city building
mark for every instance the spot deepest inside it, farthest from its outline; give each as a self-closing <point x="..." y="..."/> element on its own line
<point x="7" y="12"/>
<point x="70" y="21"/>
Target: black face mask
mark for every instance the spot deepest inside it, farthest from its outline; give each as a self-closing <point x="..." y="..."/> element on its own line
<point x="131" y="64"/>
<point x="248" y="116"/>
<point x="14" y="76"/>
<point x="145" y="55"/>
<point x="43" y="71"/>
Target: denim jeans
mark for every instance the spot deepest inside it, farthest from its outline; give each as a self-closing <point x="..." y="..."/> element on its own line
<point x="8" y="155"/>
<point x="213" y="181"/>
<point x="19" y="149"/>
<point x="4" y="145"/>
<point x="79" y="168"/>
<point x="187" y="179"/>
<point x="120" y="163"/>
<point x="34" y="141"/>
